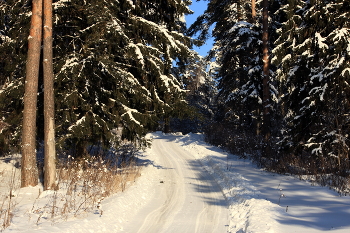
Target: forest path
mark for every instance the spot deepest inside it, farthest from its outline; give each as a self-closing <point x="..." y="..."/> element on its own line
<point x="187" y="199"/>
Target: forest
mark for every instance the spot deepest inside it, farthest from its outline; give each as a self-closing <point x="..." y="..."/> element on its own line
<point x="274" y="87"/>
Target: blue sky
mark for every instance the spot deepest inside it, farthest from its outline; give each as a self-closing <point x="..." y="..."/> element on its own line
<point x="198" y="8"/>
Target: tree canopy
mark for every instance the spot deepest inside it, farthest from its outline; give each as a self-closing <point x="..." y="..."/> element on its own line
<point x="113" y="65"/>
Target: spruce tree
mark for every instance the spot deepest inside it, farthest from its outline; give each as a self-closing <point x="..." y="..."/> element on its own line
<point x="236" y="52"/>
<point x="200" y="95"/>
<point x="113" y="69"/>
<point x="129" y="50"/>
<point x="14" y="28"/>
<point x="238" y="55"/>
<point x="315" y="72"/>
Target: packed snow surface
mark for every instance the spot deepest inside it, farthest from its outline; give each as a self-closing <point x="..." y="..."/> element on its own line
<point x="189" y="186"/>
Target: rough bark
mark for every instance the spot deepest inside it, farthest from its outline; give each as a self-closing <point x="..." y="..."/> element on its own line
<point x="49" y="104"/>
<point x="29" y="171"/>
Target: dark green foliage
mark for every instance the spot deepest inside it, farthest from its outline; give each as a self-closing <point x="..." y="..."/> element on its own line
<point x="313" y="56"/>
<point x="309" y="86"/>
<point x="201" y="91"/>
<point x="237" y="55"/>
<point x="14" y="28"/>
<point x="112" y="65"/>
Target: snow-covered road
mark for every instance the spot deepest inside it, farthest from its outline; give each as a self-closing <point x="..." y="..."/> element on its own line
<point x="187" y="198"/>
<point x="187" y="185"/>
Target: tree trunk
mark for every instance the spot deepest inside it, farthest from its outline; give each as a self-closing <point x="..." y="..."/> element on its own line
<point x="49" y="104"/>
<point x="166" y="125"/>
<point x="266" y="79"/>
<point x="253" y="11"/>
<point x="239" y="11"/>
<point x="29" y="171"/>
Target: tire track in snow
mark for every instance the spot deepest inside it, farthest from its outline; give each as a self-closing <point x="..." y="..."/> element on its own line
<point x="188" y="200"/>
<point x="171" y="195"/>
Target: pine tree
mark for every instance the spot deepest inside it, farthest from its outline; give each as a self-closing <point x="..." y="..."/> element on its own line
<point x="29" y="173"/>
<point x="49" y="103"/>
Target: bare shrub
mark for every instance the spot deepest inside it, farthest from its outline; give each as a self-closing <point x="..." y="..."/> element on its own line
<point x="323" y="170"/>
<point x="7" y="198"/>
<point x="83" y="183"/>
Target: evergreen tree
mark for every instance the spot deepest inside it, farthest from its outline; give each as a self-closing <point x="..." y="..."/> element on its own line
<point x="201" y="91"/>
<point x="130" y="58"/>
<point x="313" y="55"/>
<point x="49" y="103"/>
<point x="112" y="62"/>
<point x="14" y="28"/>
<point x="238" y="55"/>
<point x="29" y="172"/>
<point x="235" y="52"/>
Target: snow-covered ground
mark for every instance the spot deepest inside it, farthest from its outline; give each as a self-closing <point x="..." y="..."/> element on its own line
<point x="189" y="186"/>
<point x="261" y="201"/>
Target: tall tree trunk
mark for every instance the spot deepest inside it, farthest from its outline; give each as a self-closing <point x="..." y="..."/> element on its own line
<point x="266" y="79"/>
<point x="29" y="171"/>
<point x="253" y="11"/>
<point x="49" y="104"/>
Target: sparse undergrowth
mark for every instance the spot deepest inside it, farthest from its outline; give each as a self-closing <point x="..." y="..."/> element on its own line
<point x="7" y="198"/>
<point x="81" y="186"/>
<point x="318" y="170"/>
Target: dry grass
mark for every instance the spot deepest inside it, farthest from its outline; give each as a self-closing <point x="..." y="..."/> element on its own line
<point x="7" y="198"/>
<point x="82" y="185"/>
